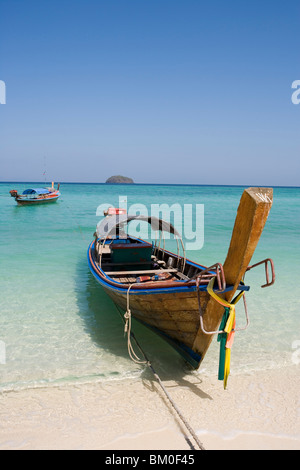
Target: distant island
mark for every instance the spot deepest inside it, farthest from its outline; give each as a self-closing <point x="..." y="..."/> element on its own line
<point x="118" y="179"/>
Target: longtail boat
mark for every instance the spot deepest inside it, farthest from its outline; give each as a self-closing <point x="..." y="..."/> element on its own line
<point x="32" y="196"/>
<point x="182" y="301"/>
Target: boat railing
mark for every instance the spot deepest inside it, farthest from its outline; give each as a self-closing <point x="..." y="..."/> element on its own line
<point x="216" y="270"/>
<point x="221" y="283"/>
<point x="181" y="260"/>
<point x="266" y="262"/>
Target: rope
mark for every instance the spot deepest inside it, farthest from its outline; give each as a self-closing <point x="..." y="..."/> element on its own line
<point x="127" y="320"/>
<point x="127" y="330"/>
<point x="192" y="432"/>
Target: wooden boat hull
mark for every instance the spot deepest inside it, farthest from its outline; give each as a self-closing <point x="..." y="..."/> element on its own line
<point x="33" y="202"/>
<point x="172" y="312"/>
<point x="174" y="316"/>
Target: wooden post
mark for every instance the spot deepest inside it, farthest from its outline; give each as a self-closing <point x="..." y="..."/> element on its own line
<point x="252" y="214"/>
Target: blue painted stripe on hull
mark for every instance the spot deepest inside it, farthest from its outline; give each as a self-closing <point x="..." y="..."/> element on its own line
<point x="164" y="290"/>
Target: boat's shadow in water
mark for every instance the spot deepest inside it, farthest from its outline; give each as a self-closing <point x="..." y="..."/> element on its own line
<point x="104" y="323"/>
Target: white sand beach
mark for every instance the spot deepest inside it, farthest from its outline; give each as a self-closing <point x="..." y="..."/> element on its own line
<point x="257" y="411"/>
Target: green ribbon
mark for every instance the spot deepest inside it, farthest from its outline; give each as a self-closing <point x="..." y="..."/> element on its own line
<point x="222" y="338"/>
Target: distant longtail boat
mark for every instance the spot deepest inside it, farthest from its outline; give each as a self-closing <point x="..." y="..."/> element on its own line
<point x="34" y="196"/>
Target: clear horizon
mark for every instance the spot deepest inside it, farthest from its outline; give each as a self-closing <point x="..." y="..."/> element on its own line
<point x="164" y="92"/>
<point x="42" y="183"/>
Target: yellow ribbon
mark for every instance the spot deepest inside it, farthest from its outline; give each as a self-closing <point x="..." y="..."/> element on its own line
<point x="227" y="366"/>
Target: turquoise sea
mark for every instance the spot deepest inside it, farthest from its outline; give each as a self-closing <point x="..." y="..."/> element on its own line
<point x="56" y="324"/>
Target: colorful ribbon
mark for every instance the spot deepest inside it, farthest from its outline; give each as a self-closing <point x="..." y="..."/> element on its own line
<point x="227" y="327"/>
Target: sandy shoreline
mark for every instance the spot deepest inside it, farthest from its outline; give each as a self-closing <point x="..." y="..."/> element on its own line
<point x="259" y="411"/>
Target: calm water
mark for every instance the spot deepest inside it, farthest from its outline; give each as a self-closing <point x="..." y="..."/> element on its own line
<point x="56" y="324"/>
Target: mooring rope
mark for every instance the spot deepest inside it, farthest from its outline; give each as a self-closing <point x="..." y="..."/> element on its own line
<point x="127" y="320"/>
<point x="189" y="428"/>
<point x="127" y="330"/>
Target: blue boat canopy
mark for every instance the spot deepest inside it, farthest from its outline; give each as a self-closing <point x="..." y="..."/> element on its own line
<point x="36" y="191"/>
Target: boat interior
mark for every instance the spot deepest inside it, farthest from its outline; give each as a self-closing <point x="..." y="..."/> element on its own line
<point x="129" y="260"/>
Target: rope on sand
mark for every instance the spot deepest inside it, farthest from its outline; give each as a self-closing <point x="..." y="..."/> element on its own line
<point x="127" y="320"/>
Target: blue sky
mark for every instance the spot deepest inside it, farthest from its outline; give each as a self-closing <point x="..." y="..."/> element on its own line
<point x="163" y="91"/>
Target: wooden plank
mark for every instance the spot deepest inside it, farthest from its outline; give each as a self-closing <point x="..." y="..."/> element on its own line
<point x="148" y="271"/>
<point x="105" y="264"/>
<point x="251" y="217"/>
<point x="180" y="325"/>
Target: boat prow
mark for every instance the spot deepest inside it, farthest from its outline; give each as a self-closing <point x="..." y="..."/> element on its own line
<point x="252" y="214"/>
